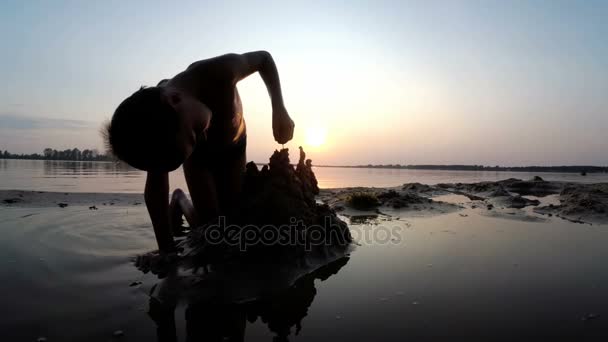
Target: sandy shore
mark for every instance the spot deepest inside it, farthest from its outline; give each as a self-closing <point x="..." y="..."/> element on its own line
<point x="511" y="198"/>
<point x="42" y="199"/>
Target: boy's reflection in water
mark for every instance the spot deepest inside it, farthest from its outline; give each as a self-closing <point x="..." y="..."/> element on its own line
<point x="219" y="321"/>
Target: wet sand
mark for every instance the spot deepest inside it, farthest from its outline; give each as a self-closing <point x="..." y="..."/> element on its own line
<point x="577" y="202"/>
<point x="510" y="198"/>
<point x="43" y="199"/>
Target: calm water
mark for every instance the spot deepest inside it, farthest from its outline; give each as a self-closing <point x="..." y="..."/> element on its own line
<point x="65" y="176"/>
<point x="66" y="273"/>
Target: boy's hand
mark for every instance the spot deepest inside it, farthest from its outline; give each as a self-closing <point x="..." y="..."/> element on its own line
<point x="157" y="262"/>
<point x="282" y="125"/>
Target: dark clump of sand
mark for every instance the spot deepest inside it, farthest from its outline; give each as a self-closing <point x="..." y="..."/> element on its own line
<point x="506" y="199"/>
<point x="508" y="193"/>
<point x="519" y="202"/>
<point x="363" y="201"/>
<point x="586" y="203"/>
<point x="534" y="187"/>
<point x="404" y="199"/>
<point x="581" y="203"/>
<point x="413" y="197"/>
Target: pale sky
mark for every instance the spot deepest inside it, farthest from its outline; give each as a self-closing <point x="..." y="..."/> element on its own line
<point x="442" y="82"/>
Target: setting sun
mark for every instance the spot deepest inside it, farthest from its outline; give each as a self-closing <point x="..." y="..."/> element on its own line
<point x="315" y="136"/>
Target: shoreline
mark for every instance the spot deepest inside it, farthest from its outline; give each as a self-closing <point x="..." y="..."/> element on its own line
<point x="510" y="198"/>
<point x="28" y="198"/>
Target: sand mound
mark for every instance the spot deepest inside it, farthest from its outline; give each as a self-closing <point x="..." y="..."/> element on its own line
<point x="405" y="199"/>
<point x="535" y="187"/>
<point x="362" y="202"/>
<point x="581" y="203"/>
<point x="517" y="202"/>
<point x="418" y="188"/>
<point x="277" y="216"/>
<point x="499" y="192"/>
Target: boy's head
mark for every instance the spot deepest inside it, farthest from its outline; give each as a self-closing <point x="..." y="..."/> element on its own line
<point x="156" y="128"/>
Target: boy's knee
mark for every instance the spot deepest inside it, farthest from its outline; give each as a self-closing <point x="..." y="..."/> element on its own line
<point x="177" y="194"/>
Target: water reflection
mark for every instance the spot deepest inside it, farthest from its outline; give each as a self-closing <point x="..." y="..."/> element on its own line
<point x="78" y="176"/>
<point x="219" y="320"/>
<point x="57" y="168"/>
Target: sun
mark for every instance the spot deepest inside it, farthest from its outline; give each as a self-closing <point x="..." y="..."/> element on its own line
<point x="315" y="136"/>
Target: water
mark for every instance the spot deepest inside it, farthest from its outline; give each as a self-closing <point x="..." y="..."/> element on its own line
<point x="66" y="276"/>
<point x="66" y="273"/>
<point x="67" y="176"/>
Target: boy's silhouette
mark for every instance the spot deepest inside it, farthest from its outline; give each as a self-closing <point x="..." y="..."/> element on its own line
<point x="194" y="119"/>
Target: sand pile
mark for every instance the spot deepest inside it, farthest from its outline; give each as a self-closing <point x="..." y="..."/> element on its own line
<point x="278" y="192"/>
<point x="519" y="202"/>
<point x="418" y="188"/>
<point x="413" y="197"/>
<point x="405" y="199"/>
<point x="277" y="216"/>
<point x="506" y="193"/>
<point x="586" y="203"/>
<point x="481" y="190"/>
<point x="534" y="187"/>
<point x="581" y="203"/>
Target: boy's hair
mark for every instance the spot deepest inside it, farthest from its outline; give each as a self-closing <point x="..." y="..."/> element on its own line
<point x="143" y="132"/>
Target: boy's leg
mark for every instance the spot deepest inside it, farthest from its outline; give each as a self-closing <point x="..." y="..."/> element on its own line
<point x="202" y="191"/>
<point x="230" y="182"/>
<point x="180" y="205"/>
<point x="229" y="175"/>
<point x="215" y="179"/>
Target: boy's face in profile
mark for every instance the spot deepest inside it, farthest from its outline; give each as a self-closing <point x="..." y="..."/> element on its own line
<point x="194" y="118"/>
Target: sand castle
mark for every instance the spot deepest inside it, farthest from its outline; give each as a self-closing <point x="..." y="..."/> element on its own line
<point x="277" y="215"/>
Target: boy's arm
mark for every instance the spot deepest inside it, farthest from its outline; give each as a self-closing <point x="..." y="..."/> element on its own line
<point x="156" y="195"/>
<point x="238" y="66"/>
<point x="262" y="62"/>
<point x="248" y="63"/>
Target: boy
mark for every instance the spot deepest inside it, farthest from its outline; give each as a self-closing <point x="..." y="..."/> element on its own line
<point x="194" y="119"/>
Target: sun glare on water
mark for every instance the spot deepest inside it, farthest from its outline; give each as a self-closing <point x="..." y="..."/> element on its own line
<point x="315" y="136"/>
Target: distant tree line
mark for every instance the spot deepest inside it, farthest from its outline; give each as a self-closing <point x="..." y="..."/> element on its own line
<point x="95" y="155"/>
<point x="68" y="154"/>
<point x="565" y="169"/>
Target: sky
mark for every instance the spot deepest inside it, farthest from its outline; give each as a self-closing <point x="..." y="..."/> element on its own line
<point x="380" y="82"/>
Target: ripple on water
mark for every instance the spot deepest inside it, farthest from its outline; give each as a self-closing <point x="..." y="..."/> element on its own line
<point x="83" y="257"/>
